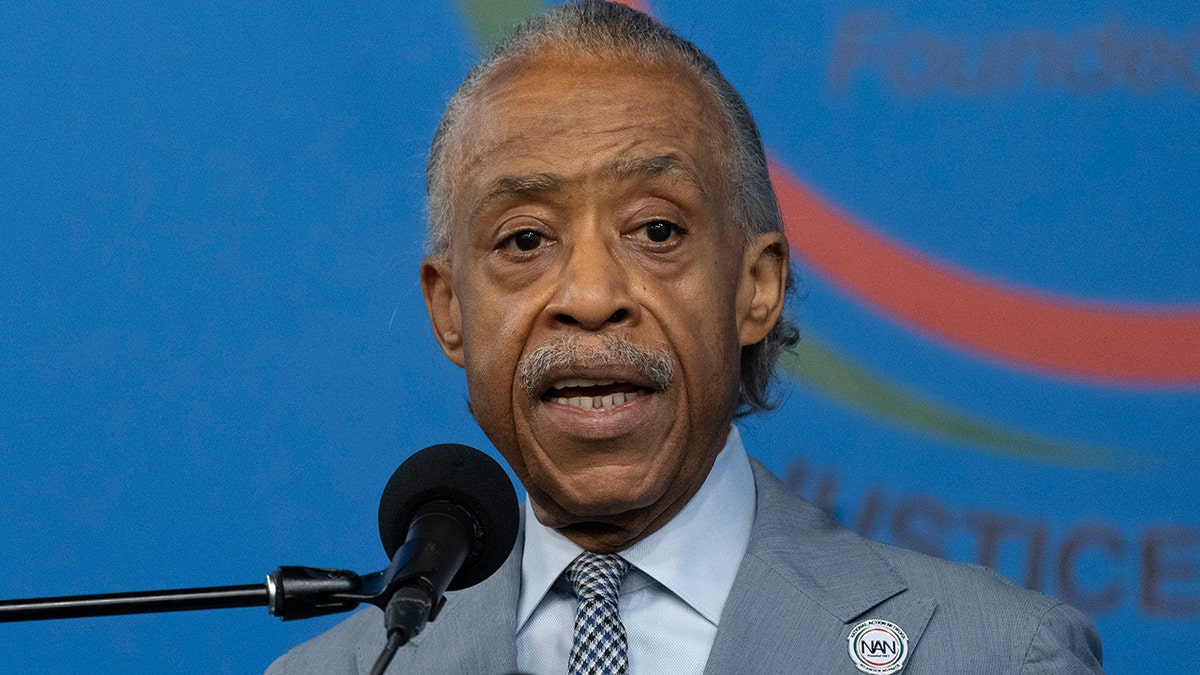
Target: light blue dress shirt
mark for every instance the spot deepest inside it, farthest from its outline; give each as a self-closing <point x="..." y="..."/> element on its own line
<point x="672" y="598"/>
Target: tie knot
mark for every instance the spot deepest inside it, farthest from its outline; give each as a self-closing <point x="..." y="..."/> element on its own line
<point x="597" y="576"/>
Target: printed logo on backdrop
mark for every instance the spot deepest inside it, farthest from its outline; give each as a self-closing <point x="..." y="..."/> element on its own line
<point x="1025" y="329"/>
<point x="1092" y="59"/>
<point x="1136" y="347"/>
<point x="1095" y="566"/>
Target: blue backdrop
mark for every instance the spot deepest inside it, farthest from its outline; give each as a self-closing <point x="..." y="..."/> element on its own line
<point x="213" y="350"/>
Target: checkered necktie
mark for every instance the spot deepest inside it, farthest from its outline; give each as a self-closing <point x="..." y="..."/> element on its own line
<point x="599" y="645"/>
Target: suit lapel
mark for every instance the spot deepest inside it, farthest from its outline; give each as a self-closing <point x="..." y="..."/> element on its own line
<point x="802" y="583"/>
<point x="473" y="635"/>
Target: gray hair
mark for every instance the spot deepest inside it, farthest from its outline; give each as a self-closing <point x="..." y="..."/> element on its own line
<point x="604" y="29"/>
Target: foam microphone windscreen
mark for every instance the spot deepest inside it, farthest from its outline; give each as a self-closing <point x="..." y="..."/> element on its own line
<point x="460" y="475"/>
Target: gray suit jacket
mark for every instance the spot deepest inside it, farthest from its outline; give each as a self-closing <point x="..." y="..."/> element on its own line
<point x="803" y="585"/>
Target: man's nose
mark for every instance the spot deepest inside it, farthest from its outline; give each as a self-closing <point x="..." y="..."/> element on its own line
<point x="593" y="289"/>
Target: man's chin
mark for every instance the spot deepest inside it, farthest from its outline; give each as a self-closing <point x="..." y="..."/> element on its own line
<point x="607" y="509"/>
<point x="600" y="500"/>
<point x="596" y="508"/>
<point x="600" y="526"/>
<point x="603" y="537"/>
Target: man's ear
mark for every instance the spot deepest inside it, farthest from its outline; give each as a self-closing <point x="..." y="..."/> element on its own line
<point x="445" y="315"/>
<point x="762" y="287"/>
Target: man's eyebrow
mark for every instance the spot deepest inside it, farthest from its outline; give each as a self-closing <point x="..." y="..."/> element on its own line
<point x="624" y="168"/>
<point x="517" y="185"/>
<point x="508" y="186"/>
<point x="652" y="167"/>
<point x="537" y="182"/>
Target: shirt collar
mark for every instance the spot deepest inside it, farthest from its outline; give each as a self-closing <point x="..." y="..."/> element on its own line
<point x="695" y="556"/>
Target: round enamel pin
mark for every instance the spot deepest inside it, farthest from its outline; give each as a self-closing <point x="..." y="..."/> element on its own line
<point x="878" y="647"/>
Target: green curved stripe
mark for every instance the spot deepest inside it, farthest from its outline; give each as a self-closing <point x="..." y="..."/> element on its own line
<point x="490" y="20"/>
<point x="837" y="377"/>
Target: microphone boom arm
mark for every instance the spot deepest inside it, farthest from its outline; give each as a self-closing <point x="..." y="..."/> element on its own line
<point x="289" y="593"/>
<point x="455" y="509"/>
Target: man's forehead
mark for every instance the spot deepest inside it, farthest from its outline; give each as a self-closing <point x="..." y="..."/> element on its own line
<point x="550" y="121"/>
<point x="652" y="118"/>
<point x="563" y="83"/>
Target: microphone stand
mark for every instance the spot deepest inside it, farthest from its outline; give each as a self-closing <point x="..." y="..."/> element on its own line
<point x="288" y="593"/>
<point x="418" y="573"/>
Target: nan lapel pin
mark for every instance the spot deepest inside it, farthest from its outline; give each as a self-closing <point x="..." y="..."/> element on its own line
<point x="878" y="647"/>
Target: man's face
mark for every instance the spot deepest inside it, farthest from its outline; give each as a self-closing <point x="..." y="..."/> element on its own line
<point x="592" y="247"/>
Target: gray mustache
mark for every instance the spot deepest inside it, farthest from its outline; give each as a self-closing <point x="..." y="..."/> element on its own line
<point x="655" y="365"/>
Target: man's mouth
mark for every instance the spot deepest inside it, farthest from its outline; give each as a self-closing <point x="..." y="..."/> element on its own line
<point x="593" y="394"/>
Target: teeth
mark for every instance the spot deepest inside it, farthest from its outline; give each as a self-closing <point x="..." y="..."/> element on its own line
<point x="597" y="402"/>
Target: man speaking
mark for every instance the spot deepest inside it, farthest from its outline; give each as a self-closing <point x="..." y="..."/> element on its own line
<point x="607" y="266"/>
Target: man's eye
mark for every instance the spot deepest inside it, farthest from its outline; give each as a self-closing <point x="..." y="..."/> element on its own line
<point x="659" y="231"/>
<point x="525" y="240"/>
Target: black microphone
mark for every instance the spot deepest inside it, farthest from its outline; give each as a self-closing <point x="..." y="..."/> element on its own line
<point x="448" y="519"/>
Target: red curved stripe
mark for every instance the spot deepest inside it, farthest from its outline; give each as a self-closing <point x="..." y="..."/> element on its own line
<point x="1155" y="346"/>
